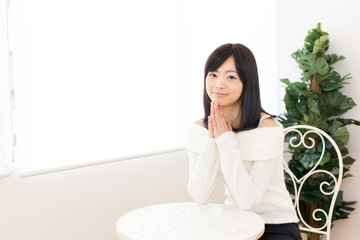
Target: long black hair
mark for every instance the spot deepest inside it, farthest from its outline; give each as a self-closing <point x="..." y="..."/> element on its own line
<point x="250" y="104"/>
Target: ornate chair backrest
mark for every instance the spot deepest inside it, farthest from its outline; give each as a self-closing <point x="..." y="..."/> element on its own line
<point x="313" y="140"/>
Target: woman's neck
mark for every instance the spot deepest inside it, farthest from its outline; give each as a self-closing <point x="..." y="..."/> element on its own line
<point x="232" y="114"/>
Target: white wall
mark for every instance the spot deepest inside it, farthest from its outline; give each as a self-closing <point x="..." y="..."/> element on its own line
<point x="85" y="203"/>
<point x="341" y="20"/>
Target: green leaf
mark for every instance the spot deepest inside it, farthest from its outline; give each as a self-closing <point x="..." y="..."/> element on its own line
<point x="342" y="136"/>
<point x="318" y="175"/>
<point x="310" y="65"/>
<point x="306" y="160"/>
<point x="313" y="35"/>
<point x="309" y="198"/>
<point x="319" y="123"/>
<point x="286" y="120"/>
<point x="321" y="44"/>
<point x="291" y="106"/>
<point x="304" y="79"/>
<point x="339" y="197"/>
<point x="315" y="193"/>
<point x="313" y="106"/>
<point x="348" y="160"/>
<point x="286" y="81"/>
<point x="325" y="158"/>
<point x="299" y="54"/>
<point x="332" y="76"/>
<point x="348" y="208"/>
<point x="348" y="121"/>
<point x="332" y="81"/>
<point x="334" y="103"/>
<point x="294" y="100"/>
<point x="335" y="125"/>
<point x="349" y="203"/>
<point x="333" y="58"/>
<point x="306" y="117"/>
<point x="332" y="87"/>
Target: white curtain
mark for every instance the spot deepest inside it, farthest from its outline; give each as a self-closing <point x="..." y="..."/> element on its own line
<point x="97" y="80"/>
<point x="7" y="166"/>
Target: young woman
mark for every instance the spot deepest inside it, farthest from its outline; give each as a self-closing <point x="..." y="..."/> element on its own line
<point x="239" y="144"/>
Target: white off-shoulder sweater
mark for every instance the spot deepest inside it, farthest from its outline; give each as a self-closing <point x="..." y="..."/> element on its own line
<point x="249" y="163"/>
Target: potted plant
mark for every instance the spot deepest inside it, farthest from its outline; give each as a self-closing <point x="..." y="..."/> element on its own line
<point x="317" y="100"/>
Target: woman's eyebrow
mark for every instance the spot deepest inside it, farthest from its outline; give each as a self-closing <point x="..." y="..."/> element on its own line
<point x="227" y="71"/>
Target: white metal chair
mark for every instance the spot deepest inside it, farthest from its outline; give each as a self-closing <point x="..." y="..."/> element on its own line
<point x="309" y="137"/>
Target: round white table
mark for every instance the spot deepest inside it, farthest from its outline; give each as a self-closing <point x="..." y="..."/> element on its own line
<point x="189" y="221"/>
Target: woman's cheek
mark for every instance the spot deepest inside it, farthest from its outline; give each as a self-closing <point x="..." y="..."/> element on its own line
<point x="208" y="90"/>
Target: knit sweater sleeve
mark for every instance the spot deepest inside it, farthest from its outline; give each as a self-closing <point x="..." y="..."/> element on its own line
<point x="203" y="164"/>
<point x="246" y="187"/>
<point x="203" y="168"/>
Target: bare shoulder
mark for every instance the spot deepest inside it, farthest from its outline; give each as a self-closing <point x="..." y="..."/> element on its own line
<point x="268" y="122"/>
<point x="200" y="122"/>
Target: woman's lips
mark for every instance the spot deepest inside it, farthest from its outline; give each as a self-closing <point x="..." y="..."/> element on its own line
<point x="219" y="94"/>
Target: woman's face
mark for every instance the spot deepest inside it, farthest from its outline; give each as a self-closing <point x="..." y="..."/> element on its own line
<point x="224" y="85"/>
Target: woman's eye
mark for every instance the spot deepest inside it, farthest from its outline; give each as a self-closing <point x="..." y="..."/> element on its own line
<point x="231" y="77"/>
<point x="212" y="74"/>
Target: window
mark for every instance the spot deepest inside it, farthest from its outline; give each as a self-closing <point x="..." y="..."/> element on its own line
<point x="103" y="80"/>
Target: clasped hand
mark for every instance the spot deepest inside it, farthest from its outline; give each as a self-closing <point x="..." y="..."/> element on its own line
<point x="216" y="123"/>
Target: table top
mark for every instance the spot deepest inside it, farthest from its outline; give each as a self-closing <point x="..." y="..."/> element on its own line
<point x="189" y="221"/>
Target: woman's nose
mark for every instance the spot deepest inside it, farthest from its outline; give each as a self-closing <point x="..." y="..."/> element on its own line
<point x="219" y="83"/>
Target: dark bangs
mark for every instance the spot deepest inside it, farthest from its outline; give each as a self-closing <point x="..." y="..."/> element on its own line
<point x="250" y="108"/>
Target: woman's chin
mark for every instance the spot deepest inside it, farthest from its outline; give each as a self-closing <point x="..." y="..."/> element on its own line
<point x="220" y="102"/>
<point x="226" y="104"/>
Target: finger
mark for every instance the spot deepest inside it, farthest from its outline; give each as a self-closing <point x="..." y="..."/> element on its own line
<point x="210" y="127"/>
<point x="220" y="119"/>
<point x="216" y="111"/>
<point x="212" y="109"/>
<point x="215" y="126"/>
<point x="222" y="116"/>
<point x="229" y="126"/>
